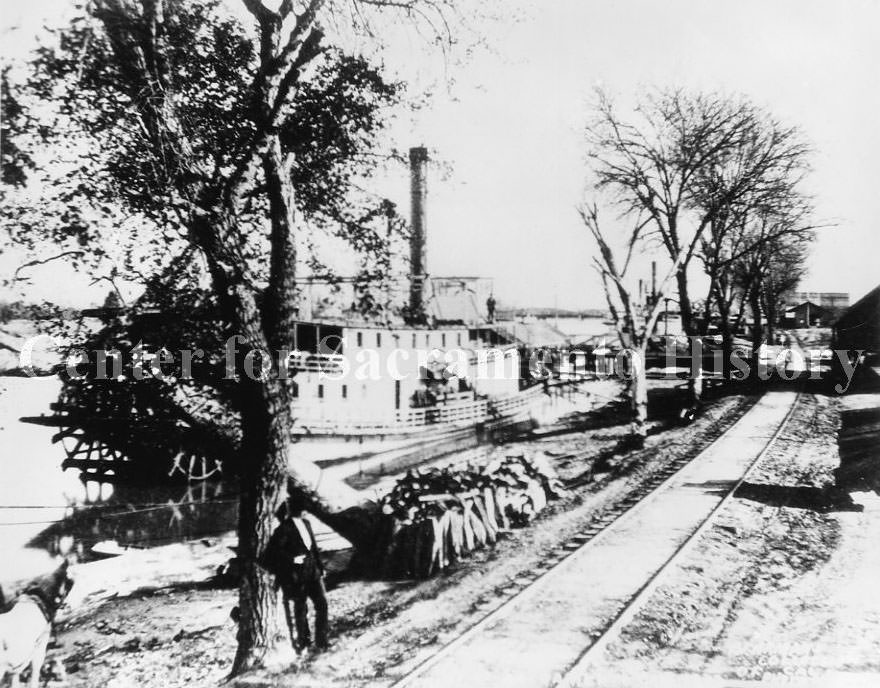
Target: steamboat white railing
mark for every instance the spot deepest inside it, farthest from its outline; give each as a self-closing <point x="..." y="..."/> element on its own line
<point x="315" y="363"/>
<point x="320" y="419"/>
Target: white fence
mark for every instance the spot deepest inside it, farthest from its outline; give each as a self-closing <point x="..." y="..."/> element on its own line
<point x="319" y="419"/>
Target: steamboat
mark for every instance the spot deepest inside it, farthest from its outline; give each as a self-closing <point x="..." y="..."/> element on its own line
<point x="366" y="394"/>
<point x="394" y="389"/>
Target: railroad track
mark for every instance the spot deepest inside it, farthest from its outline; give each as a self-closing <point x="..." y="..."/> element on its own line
<point x="571" y="677"/>
<point x="525" y="586"/>
<point x="657" y="478"/>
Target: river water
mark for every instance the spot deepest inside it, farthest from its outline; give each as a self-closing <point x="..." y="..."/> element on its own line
<point x="45" y="511"/>
<point x="580" y="329"/>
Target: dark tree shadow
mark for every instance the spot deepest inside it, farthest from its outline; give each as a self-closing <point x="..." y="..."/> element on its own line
<point x="714" y="487"/>
<point x="858" y="442"/>
<point x="819" y="499"/>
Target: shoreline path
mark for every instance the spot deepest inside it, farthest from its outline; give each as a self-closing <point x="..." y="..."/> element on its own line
<point x="543" y="635"/>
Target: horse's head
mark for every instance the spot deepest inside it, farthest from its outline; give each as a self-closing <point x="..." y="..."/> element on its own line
<point x="52" y="589"/>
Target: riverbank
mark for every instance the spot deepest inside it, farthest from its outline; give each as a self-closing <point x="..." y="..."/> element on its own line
<point x="180" y="634"/>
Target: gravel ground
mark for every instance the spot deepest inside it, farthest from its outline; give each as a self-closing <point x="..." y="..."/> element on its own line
<point x="182" y="636"/>
<point x="783" y="586"/>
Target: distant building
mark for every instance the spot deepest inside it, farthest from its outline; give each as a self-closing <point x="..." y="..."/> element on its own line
<point x="826" y="299"/>
<point x="809" y="314"/>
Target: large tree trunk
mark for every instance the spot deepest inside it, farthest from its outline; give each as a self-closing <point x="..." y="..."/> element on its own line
<point x="757" y="332"/>
<point x="638" y="394"/>
<point x="263" y="480"/>
<point x="695" y="381"/>
<point x="726" y="336"/>
<point x="268" y="473"/>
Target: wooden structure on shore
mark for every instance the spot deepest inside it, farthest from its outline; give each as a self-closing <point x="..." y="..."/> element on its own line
<point x="135" y="431"/>
<point x="859" y="327"/>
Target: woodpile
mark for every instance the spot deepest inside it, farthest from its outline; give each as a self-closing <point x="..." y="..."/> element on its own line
<point x="432" y="518"/>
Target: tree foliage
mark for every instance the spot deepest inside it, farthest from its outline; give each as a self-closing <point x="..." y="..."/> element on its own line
<point x="110" y="171"/>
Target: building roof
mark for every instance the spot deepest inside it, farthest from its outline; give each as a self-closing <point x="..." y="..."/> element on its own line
<point x="813" y="307"/>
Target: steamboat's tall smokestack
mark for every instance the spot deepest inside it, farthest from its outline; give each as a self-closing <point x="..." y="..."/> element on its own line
<point x="418" y="159"/>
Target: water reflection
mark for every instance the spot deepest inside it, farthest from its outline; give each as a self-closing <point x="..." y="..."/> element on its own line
<point x="139" y="516"/>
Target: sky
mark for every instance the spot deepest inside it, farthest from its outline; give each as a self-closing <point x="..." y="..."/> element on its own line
<point x="509" y="132"/>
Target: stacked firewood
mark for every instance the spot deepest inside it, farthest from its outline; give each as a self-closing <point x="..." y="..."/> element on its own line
<point x="435" y="517"/>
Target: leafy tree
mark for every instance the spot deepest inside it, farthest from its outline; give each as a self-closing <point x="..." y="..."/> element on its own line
<point x="185" y="153"/>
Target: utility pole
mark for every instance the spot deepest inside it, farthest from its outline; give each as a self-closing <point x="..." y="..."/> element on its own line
<point x="389" y="215"/>
<point x="665" y="318"/>
<point x="653" y="282"/>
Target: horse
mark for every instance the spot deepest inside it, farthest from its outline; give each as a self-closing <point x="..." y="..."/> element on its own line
<point x="26" y="625"/>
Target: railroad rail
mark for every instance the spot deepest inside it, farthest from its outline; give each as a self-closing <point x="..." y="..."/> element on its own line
<point x="564" y="561"/>
<point x="575" y="673"/>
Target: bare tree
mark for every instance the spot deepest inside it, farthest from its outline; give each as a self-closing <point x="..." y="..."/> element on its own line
<point x="774" y="264"/>
<point x="738" y="254"/>
<point x="752" y="194"/>
<point x="634" y="322"/>
<point x="691" y="164"/>
<point x="787" y="267"/>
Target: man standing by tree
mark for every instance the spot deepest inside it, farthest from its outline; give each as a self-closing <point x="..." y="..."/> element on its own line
<point x="292" y="556"/>
<point x="197" y="141"/>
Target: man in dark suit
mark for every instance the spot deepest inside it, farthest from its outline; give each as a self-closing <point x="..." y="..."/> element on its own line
<point x="292" y="556"/>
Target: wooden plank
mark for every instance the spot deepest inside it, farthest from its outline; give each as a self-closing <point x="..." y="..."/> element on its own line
<point x="444" y="497"/>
